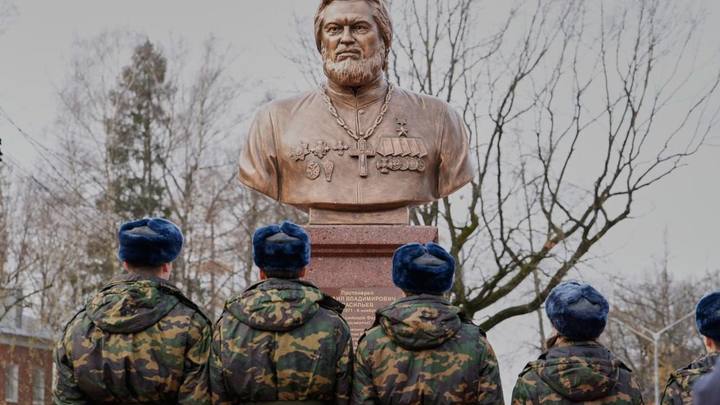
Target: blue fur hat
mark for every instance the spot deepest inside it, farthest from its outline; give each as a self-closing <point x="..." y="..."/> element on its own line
<point x="289" y="253"/>
<point x="707" y="316"/>
<point x="423" y="268"/>
<point x="149" y="242"/>
<point x="577" y="310"/>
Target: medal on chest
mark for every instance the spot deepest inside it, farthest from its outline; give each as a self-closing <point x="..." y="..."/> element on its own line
<point x="402" y="152"/>
<point x="398" y="153"/>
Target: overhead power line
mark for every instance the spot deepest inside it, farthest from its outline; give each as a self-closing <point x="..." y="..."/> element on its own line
<point x="42" y="151"/>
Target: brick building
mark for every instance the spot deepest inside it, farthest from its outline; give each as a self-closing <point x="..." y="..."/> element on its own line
<point x="25" y="360"/>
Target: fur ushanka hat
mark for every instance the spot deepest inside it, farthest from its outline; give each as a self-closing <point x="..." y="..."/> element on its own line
<point x="577" y="310"/>
<point x="707" y="316"/>
<point x="423" y="268"/>
<point x="284" y="248"/>
<point x="149" y="242"/>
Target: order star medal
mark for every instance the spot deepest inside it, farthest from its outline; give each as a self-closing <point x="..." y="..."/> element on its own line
<point x="401" y="153"/>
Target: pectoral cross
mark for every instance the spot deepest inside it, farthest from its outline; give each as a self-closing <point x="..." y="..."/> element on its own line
<point x="362" y="152"/>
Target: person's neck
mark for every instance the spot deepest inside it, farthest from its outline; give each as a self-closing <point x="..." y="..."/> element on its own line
<point x="561" y="341"/>
<point x="146" y="275"/>
<point x="378" y="83"/>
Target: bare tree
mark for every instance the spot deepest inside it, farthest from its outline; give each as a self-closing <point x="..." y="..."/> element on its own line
<point x="565" y="104"/>
<point x="652" y="303"/>
<point x="572" y="110"/>
<point x="199" y="176"/>
<point x="21" y="256"/>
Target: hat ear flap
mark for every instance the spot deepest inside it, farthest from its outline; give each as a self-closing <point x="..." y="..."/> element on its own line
<point x="416" y="277"/>
<point x="437" y="251"/>
<point x="594" y="296"/>
<point x="259" y="243"/>
<point x="297" y="231"/>
<point x="294" y="230"/>
<point x="166" y="228"/>
<point x="402" y="260"/>
<point x="405" y="254"/>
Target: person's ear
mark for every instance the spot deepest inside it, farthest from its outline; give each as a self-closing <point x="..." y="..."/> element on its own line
<point x="165" y="270"/>
<point x="301" y="274"/>
<point x="710" y="344"/>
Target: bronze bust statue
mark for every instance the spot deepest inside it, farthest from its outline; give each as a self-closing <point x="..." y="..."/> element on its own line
<point x="358" y="150"/>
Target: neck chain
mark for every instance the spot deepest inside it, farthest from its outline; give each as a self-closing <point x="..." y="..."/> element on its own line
<point x="341" y="122"/>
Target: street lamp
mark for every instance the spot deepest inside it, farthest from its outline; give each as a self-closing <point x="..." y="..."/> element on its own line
<point x="654" y="338"/>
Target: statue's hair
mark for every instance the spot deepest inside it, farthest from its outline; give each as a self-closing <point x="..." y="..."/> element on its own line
<point x="380" y="12"/>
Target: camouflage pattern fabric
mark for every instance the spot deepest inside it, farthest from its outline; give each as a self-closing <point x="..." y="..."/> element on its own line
<point x="678" y="390"/>
<point x="281" y="340"/>
<point x="138" y="341"/>
<point x="707" y="389"/>
<point x="576" y="373"/>
<point x="421" y="351"/>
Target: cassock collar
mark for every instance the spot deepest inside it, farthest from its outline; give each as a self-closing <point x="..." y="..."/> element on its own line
<point x="362" y="96"/>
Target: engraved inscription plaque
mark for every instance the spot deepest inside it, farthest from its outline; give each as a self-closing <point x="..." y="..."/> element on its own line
<point x="361" y="304"/>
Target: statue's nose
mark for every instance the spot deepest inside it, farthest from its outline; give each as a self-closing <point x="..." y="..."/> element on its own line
<point x="347" y="37"/>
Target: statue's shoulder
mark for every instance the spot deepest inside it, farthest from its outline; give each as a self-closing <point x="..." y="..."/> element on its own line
<point x="424" y="101"/>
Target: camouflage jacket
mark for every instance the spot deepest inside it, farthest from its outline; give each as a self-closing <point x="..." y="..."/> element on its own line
<point x="421" y="351"/>
<point x="281" y="340"/>
<point x="678" y="390"/>
<point x="138" y="341"/>
<point x="707" y="390"/>
<point x="576" y="373"/>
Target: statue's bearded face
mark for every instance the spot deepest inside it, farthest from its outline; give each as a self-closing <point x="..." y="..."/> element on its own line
<point x="352" y="50"/>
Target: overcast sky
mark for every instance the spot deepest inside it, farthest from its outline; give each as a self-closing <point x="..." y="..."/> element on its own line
<point x="36" y="51"/>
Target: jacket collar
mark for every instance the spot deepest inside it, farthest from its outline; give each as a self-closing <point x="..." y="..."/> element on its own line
<point x="128" y="277"/>
<point x="272" y="282"/>
<point x="360" y="96"/>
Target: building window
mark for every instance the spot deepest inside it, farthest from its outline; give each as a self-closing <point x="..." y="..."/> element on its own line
<point x="38" y="387"/>
<point x="11" y="383"/>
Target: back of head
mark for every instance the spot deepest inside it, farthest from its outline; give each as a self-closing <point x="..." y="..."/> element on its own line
<point x="423" y="269"/>
<point x="577" y="310"/>
<point x="149" y="242"/>
<point x="421" y="322"/>
<point x="707" y="316"/>
<point x="281" y="251"/>
<point x="587" y="372"/>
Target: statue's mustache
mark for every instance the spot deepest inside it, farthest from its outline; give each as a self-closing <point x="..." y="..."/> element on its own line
<point x="354" y="51"/>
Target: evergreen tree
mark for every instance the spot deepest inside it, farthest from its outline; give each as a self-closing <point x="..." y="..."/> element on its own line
<point x="136" y="131"/>
<point x="135" y="135"/>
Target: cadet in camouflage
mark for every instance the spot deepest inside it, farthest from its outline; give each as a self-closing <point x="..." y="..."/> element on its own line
<point x="573" y="372"/>
<point x="679" y="388"/>
<point x="139" y="340"/>
<point x="576" y="369"/>
<point x="421" y="350"/>
<point x="282" y="340"/>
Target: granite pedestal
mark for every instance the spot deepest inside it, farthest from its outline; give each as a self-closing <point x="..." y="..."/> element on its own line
<point x="353" y="263"/>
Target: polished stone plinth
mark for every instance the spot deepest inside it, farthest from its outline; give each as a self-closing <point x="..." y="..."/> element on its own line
<point x="353" y="263"/>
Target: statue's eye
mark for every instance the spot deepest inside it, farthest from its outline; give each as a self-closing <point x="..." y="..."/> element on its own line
<point x="333" y="30"/>
<point x="360" y="29"/>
